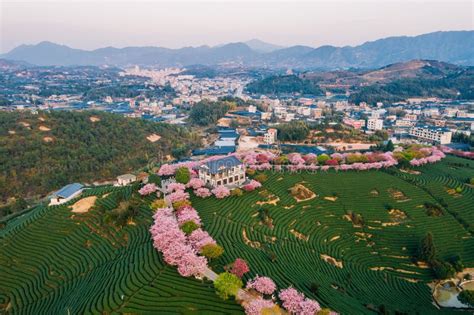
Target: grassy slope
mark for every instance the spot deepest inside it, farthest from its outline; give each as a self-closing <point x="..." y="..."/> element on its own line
<point x="349" y="289"/>
<point x="54" y="262"/>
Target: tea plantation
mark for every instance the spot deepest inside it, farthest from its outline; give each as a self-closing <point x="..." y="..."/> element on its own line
<point x="354" y="270"/>
<point x="53" y="261"/>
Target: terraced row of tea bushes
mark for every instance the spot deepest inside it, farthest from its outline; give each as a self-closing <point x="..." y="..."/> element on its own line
<point x="371" y="265"/>
<point x="56" y="262"/>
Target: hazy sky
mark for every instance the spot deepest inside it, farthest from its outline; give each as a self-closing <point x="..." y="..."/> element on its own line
<point x="90" y="24"/>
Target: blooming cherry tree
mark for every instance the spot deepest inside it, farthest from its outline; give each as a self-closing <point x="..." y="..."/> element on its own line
<point x="148" y="189"/>
<point x="263" y="285"/>
<point x="221" y="192"/>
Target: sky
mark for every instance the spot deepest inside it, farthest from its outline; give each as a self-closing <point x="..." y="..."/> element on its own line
<point x="91" y="24"/>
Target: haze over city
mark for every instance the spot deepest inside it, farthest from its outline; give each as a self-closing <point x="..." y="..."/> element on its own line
<point x="95" y="24"/>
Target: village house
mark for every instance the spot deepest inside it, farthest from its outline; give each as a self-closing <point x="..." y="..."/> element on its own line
<point x="126" y="179"/>
<point x="66" y="194"/>
<point x="227" y="171"/>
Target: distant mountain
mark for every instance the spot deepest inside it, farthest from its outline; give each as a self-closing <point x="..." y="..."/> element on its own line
<point x="261" y="46"/>
<point x="454" y="47"/>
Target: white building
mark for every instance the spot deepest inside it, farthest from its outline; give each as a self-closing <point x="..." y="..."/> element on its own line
<point x="66" y="194"/>
<point x="404" y="123"/>
<point x="432" y="134"/>
<point x="374" y="124"/>
<point x="124" y="180"/>
<point x="227" y="171"/>
<point x="270" y="137"/>
<point x="252" y="109"/>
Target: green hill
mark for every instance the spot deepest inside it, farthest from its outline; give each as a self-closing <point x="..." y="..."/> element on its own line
<point x="40" y="153"/>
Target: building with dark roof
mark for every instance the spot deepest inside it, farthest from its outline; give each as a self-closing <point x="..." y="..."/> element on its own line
<point x="227" y="171"/>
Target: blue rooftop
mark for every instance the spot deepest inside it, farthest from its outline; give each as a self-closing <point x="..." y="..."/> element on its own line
<point x="214" y="151"/>
<point x="225" y="163"/>
<point x="68" y="190"/>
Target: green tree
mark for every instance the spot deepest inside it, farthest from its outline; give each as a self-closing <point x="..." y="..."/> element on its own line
<point x="427" y="250"/>
<point x="182" y="175"/>
<point x="467" y="297"/>
<point x="189" y="226"/>
<point x="212" y="251"/>
<point x="227" y="284"/>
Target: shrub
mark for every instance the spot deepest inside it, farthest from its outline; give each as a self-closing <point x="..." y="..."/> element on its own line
<point x="181" y="203"/>
<point x="459" y="189"/>
<point x="467" y="297"/>
<point x="236" y="192"/>
<point x="182" y="175"/>
<point x="227" y="284"/>
<point x="261" y="178"/>
<point x="158" y="203"/>
<point x="212" y="251"/>
<point x="189" y="226"/>
<point x="250" y="171"/>
<point x="322" y="159"/>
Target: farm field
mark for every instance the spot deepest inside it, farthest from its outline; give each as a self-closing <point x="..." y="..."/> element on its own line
<point x="54" y="261"/>
<point x="352" y="269"/>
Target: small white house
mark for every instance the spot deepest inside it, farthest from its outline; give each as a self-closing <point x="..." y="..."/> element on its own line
<point x="66" y="194"/>
<point x="124" y="180"/>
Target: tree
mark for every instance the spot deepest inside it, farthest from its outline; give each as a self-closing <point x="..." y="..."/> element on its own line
<point x="227" y="284"/>
<point x="212" y="251"/>
<point x="389" y="147"/>
<point x="442" y="269"/>
<point x="239" y="267"/>
<point x="322" y="159"/>
<point x="182" y="175"/>
<point x="263" y="285"/>
<point x="427" y="250"/>
<point x="189" y="226"/>
<point x="467" y="297"/>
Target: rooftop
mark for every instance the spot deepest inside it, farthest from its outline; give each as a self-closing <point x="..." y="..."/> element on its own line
<point x="218" y="165"/>
<point x="68" y="190"/>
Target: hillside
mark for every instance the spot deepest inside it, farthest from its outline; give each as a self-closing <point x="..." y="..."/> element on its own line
<point x="287" y="84"/>
<point x="454" y="47"/>
<point x="55" y="261"/>
<point x="40" y="153"/>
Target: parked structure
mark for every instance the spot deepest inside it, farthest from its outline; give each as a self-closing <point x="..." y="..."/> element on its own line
<point x="227" y="171"/>
<point x="66" y="194"/>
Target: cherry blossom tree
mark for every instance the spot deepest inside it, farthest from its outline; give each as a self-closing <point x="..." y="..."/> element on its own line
<point x="148" y="189"/>
<point x="264" y="285"/>
<point x="178" y="195"/>
<point x="252" y="185"/>
<point x="166" y="170"/>
<point x="221" y="192"/>
<point x="239" y="267"/>
<point x="186" y="214"/>
<point x="291" y="300"/>
<point x="257" y="305"/>
<point x="202" y="192"/>
<point x="195" y="183"/>
<point x="199" y="238"/>
<point x="175" y="187"/>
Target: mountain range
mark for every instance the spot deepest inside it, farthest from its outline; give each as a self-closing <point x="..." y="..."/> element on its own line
<point x="453" y="46"/>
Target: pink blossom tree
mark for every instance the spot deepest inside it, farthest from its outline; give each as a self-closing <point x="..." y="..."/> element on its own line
<point x="148" y="189"/>
<point x="239" y="267"/>
<point x="166" y="170"/>
<point x="195" y="183"/>
<point x="178" y="195"/>
<point x="175" y="187"/>
<point x="252" y="185"/>
<point x="221" y="192"/>
<point x="257" y="305"/>
<point x="198" y="238"/>
<point x="264" y="285"/>
<point x="202" y="192"/>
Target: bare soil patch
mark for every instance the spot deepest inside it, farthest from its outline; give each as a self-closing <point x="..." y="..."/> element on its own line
<point x="299" y="235"/>
<point x="302" y="193"/>
<point x="84" y="205"/>
<point x="153" y="137"/>
<point x="248" y="242"/>
<point x="44" y="128"/>
<point x="94" y="119"/>
<point x="332" y="198"/>
<point x="397" y="195"/>
<point x="48" y="139"/>
<point x="331" y="260"/>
